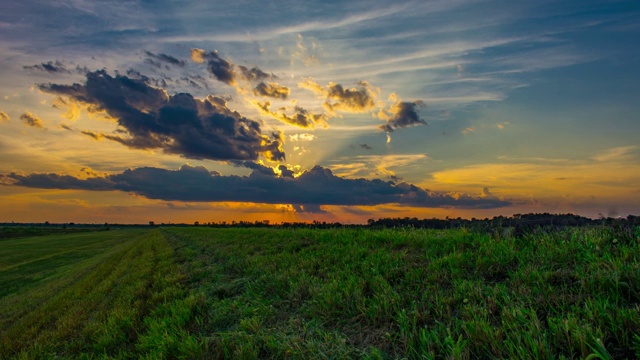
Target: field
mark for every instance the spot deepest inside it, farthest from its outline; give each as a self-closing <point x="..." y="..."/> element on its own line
<point x="198" y="292"/>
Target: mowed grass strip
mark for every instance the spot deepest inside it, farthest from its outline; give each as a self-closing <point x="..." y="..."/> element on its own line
<point x="93" y="295"/>
<point x="418" y="294"/>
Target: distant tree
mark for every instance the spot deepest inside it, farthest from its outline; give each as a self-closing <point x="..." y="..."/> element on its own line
<point x="151" y="223"/>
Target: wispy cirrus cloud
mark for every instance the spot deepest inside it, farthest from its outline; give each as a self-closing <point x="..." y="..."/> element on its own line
<point x="259" y="34"/>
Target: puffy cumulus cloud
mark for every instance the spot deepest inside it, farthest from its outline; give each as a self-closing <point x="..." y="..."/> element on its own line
<point x="301" y="117"/>
<point x="402" y="114"/>
<point x="4" y="117"/>
<point x="178" y="124"/>
<point x="31" y="120"/>
<point x="311" y="189"/>
<point x="50" y="67"/>
<point x="271" y="90"/>
<point x="254" y="74"/>
<point x="338" y="98"/>
<point x="227" y="72"/>
<point x="198" y="55"/>
<point x="163" y="58"/>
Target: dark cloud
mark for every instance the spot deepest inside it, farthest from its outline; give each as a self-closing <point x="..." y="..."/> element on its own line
<point x="254" y="74"/>
<point x="220" y="68"/>
<point x="135" y="74"/>
<point x="271" y="90"/>
<point x="339" y="98"/>
<point x="166" y="58"/>
<point x="195" y="81"/>
<point x="31" y="120"/>
<point x="96" y="136"/>
<point x="365" y="147"/>
<point x="403" y="114"/>
<point x="315" y="187"/>
<point x="177" y="124"/>
<point x="227" y="72"/>
<point x="50" y="67"/>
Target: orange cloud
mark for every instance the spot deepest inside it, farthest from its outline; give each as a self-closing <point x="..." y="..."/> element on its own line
<point x="31" y="120"/>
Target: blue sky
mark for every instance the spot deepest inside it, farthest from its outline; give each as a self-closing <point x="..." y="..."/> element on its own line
<point x="478" y="108"/>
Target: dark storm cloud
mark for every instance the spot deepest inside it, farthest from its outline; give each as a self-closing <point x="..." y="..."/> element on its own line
<point x="403" y="114"/>
<point x="165" y="58"/>
<point x="50" y="67"/>
<point x="31" y="120"/>
<point x="177" y="124"/>
<point x="315" y="187"/>
<point x="271" y="90"/>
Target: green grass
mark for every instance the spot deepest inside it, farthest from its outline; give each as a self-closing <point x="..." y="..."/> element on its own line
<point x="303" y="293"/>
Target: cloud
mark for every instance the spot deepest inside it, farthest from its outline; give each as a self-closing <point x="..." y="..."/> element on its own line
<point x="339" y="98"/>
<point x="72" y="109"/>
<point x="4" y="117"/>
<point x="165" y="58"/>
<point x="271" y="90"/>
<point x="402" y="114"/>
<point x="254" y="74"/>
<point x="313" y="188"/>
<point x="227" y="72"/>
<point x="50" y="67"/>
<point x="177" y="124"/>
<point x="307" y="54"/>
<point x="617" y="153"/>
<point x="300" y="117"/>
<point x="302" y="137"/>
<point x="31" y="120"/>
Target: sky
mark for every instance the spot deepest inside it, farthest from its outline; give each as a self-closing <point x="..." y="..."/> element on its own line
<point x="209" y="111"/>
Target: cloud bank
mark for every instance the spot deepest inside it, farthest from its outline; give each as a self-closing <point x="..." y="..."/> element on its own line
<point x="318" y="186"/>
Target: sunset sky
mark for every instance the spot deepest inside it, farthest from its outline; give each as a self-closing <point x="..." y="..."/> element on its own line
<point x="183" y="111"/>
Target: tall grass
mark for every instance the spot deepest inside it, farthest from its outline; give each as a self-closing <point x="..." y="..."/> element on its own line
<point x="341" y="293"/>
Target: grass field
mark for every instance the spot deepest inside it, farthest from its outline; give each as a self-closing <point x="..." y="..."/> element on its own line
<point x="302" y="293"/>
